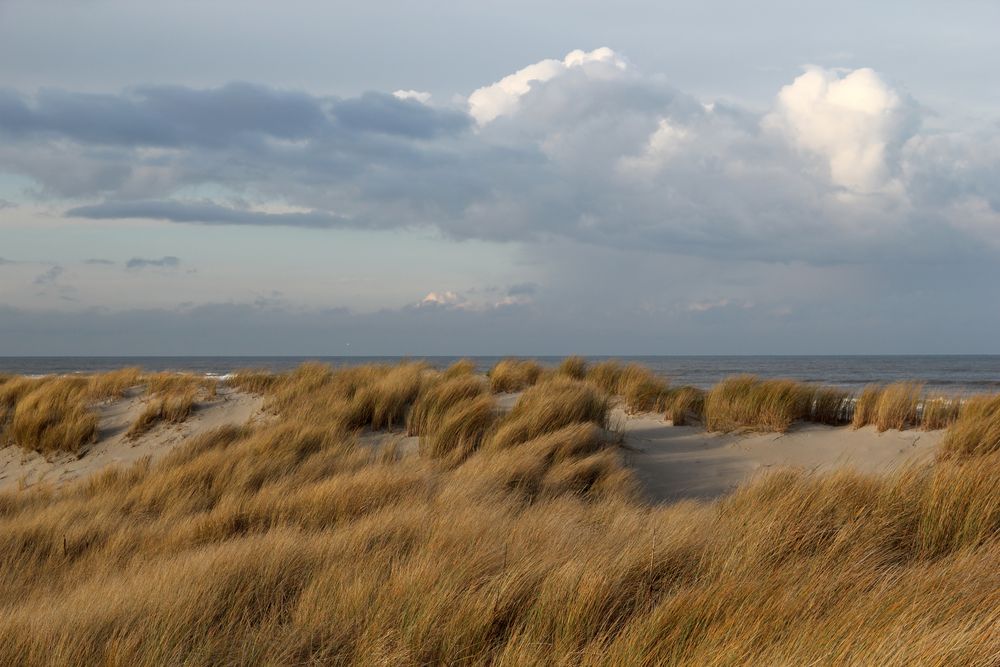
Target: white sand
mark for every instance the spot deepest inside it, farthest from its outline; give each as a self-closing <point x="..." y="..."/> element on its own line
<point x="675" y="462"/>
<point x="21" y="469"/>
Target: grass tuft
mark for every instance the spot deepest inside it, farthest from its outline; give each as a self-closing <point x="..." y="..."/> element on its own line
<point x="435" y="400"/>
<point x="548" y="407"/>
<point x="685" y="404"/>
<point x="897" y="406"/>
<point x="510" y="375"/>
<point x="172" y="409"/>
<point x="52" y="416"/>
<point x="642" y="390"/>
<point x="574" y="367"/>
<point x="976" y="431"/>
<point x="866" y="406"/>
<point x="939" y="412"/>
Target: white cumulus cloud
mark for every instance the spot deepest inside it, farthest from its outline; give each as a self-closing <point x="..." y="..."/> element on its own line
<point x="855" y="121"/>
<point x="417" y="95"/>
<point x="502" y="97"/>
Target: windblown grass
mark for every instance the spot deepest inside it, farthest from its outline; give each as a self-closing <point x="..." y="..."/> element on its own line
<point x="897" y="406"/>
<point x="549" y="406"/>
<point x="976" y="431"/>
<point x="511" y="375"/>
<point x="114" y="384"/>
<point x="436" y="399"/>
<point x="289" y="543"/>
<point x="866" y="406"/>
<point x="254" y="380"/>
<point x="174" y="408"/>
<point x="684" y="404"/>
<point x="51" y="415"/>
<point x="573" y="367"/>
<point x="745" y="401"/>
<point x="460" y="368"/>
<point x="830" y="406"/>
<point x="460" y="429"/>
<point x="642" y="390"/>
<point x="939" y="412"/>
<point x="606" y="375"/>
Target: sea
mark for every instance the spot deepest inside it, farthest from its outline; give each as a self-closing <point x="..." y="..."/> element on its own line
<point x="947" y="374"/>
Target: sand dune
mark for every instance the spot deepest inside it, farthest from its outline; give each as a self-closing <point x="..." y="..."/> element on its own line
<point x="676" y="462"/>
<point x="22" y="469"/>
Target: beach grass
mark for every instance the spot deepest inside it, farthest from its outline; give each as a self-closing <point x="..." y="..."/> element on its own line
<point x="519" y="539"/>
<point x="511" y="375"/>
<point x="173" y="408"/>
<point x="976" y="429"/>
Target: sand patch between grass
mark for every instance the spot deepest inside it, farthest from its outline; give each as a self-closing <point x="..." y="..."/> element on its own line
<point x="677" y="462"/>
<point x="23" y="469"/>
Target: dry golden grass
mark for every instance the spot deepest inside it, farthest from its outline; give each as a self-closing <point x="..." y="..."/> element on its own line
<point x="114" y="384"/>
<point x="549" y="406"/>
<point x="573" y="367"/>
<point x="830" y="406"/>
<point x="460" y="429"/>
<point x="290" y="543"/>
<point x="866" y="406"/>
<point x="745" y="401"/>
<point x="897" y="406"/>
<point x="174" y="408"/>
<point x="511" y="375"/>
<point x="939" y="412"/>
<point x="684" y="404"/>
<point x="519" y="539"/>
<point x="976" y="431"/>
<point x="642" y="390"/>
<point x="254" y="380"/>
<point x="51" y="415"/>
<point x="436" y="399"/>
<point x="606" y="375"/>
<point x="459" y="368"/>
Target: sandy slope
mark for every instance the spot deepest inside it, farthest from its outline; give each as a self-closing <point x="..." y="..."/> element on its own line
<point x="675" y="462"/>
<point x="20" y="469"/>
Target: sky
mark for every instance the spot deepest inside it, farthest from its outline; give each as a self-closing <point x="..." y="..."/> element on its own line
<point x="401" y="178"/>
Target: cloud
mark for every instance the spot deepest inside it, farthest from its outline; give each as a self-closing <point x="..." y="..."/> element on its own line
<point x="50" y="276"/>
<point x="199" y="213"/>
<point x="417" y="95"/>
<point x="522" y="289"/>
<point x="97" y="261"/>
<point x="502" y="98"/>
<point x="449" y="299"/>
<point x="168" y="262"/>
<point x="6" y="204"/>
<point x="855" y="122"/>
<point x="586" y="148"/>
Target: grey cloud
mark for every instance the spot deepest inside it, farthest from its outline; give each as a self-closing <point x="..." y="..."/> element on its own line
<point x="177" y="116"/>
<point x="522" y="289"/>
<point x="613" y="158"/>
<point x="50" y="276"/>
<point x="97" y="261"/>
<point x="379" y="112"/>
<point x="201" y="213"/>
<point x="6" y="204"/>
<point x="168" y="262"/>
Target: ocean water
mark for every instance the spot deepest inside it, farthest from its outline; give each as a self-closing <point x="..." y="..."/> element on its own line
<point x="952" y="374"/>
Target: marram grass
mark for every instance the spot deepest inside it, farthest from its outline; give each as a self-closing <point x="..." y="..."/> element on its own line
<point x="288" y="542"/>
